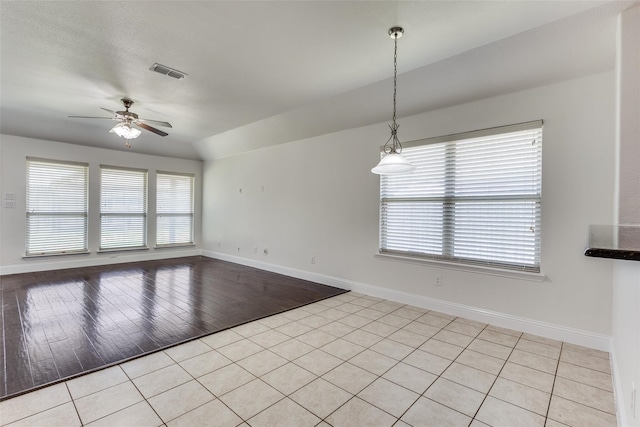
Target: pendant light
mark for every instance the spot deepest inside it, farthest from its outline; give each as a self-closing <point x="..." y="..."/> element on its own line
<point x="393" y="163"/>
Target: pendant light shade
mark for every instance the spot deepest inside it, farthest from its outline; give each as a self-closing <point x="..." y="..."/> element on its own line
<point x="393" y="163"/>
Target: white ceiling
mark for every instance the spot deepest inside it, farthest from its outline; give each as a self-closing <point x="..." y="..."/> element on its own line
<point x="268" y="72"/>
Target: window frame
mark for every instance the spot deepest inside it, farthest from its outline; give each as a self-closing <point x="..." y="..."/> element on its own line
<point x="447" y="218"/>
<point x="160" y="213"/>
<point x="142" y="215"/>
<point x="31" y="213"/>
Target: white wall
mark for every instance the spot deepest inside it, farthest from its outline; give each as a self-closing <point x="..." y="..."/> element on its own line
<point x="628" y="70"/>
<point x="13" y="153"/>
<point x="320" y="199"/>
<point x="626" y="339"/>
<point x="625" y="350"/>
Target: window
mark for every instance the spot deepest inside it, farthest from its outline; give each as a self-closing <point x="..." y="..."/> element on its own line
<point x="123" y="208"/>
<point x="174" y="209"/>
<point x="473" y="198"/>
<point x="56" y="207"/>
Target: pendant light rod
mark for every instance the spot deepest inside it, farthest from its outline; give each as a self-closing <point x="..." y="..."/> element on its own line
<point x="392" y="162"/>
<point x="395" y="33"/>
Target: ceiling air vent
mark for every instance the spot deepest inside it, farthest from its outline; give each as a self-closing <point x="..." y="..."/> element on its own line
<point x="168" y="71"/>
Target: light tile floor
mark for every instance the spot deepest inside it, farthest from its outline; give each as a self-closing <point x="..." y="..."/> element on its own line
<point x="351" y="360"/>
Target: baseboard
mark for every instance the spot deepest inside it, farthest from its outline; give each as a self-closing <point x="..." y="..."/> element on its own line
<point x="81" y="260"/>
<point x="621" y="413"/>
<point x="548" y="330"/>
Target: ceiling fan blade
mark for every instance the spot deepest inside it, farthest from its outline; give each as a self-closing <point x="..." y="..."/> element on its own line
<point x="91" y="117"/>
<point x="157" y="123"/>
<point x="106" y="109"/>
<point x="149" y="128"/>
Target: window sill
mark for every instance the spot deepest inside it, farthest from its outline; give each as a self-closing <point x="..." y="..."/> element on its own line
<point x="139" y="248"/>
<point x="177" y="245"/>
<point x="533" y="277"/>
<point x="56" y="254"/>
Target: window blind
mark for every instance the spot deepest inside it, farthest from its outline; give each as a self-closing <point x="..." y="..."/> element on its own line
<point x="123" y="208"/>
<point x="473" y="198"/>
<point x="174" y="209"/>
<point x="56" y="201"/>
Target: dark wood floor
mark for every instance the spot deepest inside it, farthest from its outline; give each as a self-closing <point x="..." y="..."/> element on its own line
<point x="60" y="324"/>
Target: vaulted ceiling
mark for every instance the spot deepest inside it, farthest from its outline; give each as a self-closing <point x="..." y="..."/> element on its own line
<point x="267" y="72"/>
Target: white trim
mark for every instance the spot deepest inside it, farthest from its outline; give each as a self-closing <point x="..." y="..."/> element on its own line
<point x="548" y="330"/>
<point x="103" y="258"/>
<point x="498" y="130"/>
<point x="123" y="249"/>
<point x="491" y="271"/>
<point x="84" y="252"/>
<point x="621" y="410"/>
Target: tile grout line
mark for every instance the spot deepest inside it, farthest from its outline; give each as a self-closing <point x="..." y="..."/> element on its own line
<point x="581" y="383"/>
<point x="73" y="402"/>
<point x="215" y="397"/>
<point x="175" y="362"/>
<point x="369" y="348"/>
<point x="476" y="337"/>
<point x="381" y="376"/>
<point x="256" y="377"/>
<point x="440" y="375"/>
<point x="442" y="328"/>
<point x="553" y="386"/>
<point x="130" y="380"/>
<point x="344" y="361"/>
<point x="496" y="379"/>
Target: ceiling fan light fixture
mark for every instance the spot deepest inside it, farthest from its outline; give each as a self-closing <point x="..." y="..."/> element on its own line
<point x="126" y="120"/>
<point x="125" y="130"/>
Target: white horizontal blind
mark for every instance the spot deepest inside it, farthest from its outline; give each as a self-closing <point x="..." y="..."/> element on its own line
<point x="174" y="208"/>
<point x="123" y="208"/>
<point x="473" y="198"/>
<point x="57" y="194"/>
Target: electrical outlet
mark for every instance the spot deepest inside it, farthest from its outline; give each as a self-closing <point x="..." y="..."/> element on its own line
<point x="10" y="204"/>
<point x="437" y="280"/>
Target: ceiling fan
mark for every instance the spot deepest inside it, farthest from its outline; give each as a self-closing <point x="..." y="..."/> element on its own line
<point x="126" y="118"/>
